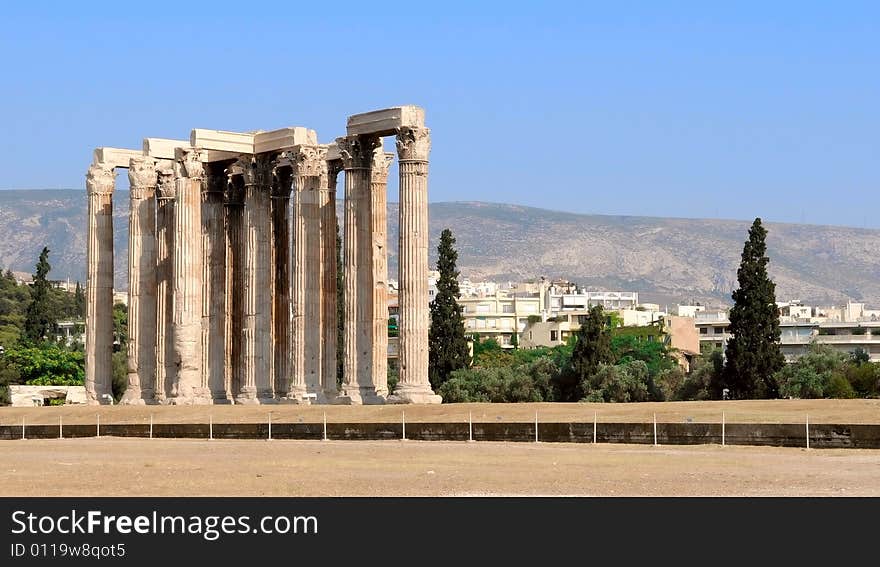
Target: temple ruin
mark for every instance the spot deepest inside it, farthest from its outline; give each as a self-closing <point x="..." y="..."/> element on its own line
<point x="232" y="266"/>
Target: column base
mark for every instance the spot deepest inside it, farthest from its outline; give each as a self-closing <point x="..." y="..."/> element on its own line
<point x="417" y="395"/>
<point x="360" y="396"/>
<point x="247" y="396"/>
<point x="132" y="397"/>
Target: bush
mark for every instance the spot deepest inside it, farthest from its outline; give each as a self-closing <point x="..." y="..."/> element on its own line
<point x="47" y="364"/>
<point x="810" y="376"/>
<point x="669" y="384"/>
<point x="626" y="382"/>
<point x="839" y="387"/>
<point x="525" y="383"/>
<point x="864" y="379"/>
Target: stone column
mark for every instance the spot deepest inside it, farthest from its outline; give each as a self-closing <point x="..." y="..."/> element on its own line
<point x="308" y="165"/>
<point x="214" y="286"/>
<point x="281" y="180"/>
<point x="236" y="234"/>
<point x="100" y="182"/>
<point x="141" y="282"/>
<point x="166" y="371"/>
<point x="379" y="274"/>
<point x="187" y="280"/>
<point x="413" y="146"/>
<point x="357" y="384"/>
<point x="329" y="321"/>
<point x="257" y="339"/>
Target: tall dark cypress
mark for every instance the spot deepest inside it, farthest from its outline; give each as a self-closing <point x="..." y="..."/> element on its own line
<point x="37" y="322"/>
<point x="753" y="355"/>
<point x="447" y="345"/>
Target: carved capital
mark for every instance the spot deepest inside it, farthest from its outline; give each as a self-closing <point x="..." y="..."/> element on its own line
<point x="281" y="178"/>
<point x="215" y="183"/>
<point x="165" y="185"/>
<point x="413" y="144"/>
<point x="357" y="151"/>
<point x="307" y="161"/>
<point x="381" y="162"/>
<point x="100" y="180"/>
<point x="189" y="163"/>
<point x="142" y="177"/>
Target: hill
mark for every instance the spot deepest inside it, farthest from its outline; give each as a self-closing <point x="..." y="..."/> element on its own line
<point x="665" y="259"/>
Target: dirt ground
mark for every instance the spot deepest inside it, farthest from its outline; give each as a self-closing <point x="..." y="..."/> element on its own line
<point x="752" y="411"/>
<point x="177" y="467"/>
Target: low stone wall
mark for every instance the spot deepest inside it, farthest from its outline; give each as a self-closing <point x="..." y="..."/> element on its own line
<point x="779" y="435"/>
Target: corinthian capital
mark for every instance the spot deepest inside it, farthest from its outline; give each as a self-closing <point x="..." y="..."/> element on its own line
<point x="356" y="152"/>
<point x="307" y="161"/>
<point x="381" y="162"/>
<point x="142" y="176"/>
<point x="189" y="163"/>
<point x="100" y="179"/>
<point x="165" y="185"/>
<point x="413" y="144"/>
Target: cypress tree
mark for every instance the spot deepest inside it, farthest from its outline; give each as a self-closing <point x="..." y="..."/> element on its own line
<point x="753" y="354"/>
<point x="79" y="300"/>
<point x="592" y="348"/>
<point x="447" y="345"/>
<point x="37" y="322"/>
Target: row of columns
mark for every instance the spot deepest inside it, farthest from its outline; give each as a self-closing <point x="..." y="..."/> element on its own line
<point x="232" y="296"/>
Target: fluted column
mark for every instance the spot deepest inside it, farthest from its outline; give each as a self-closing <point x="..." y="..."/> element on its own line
<point x="329" y="321"/>
<point x="100" y="182"/>
<point x="281" y="180"/>
<point x="357" y="384"/>
<point x="166" y="371"/>
<point x="308" y="164"/>
<point x="188" y="276"/>
<point x="379" y="261"/>
<point x="236" y="235"/>
<point x="141" y="282"/>
<point x="413" y="146"/>
<point x="214" y="286"/>
<point x="257" y="336"/>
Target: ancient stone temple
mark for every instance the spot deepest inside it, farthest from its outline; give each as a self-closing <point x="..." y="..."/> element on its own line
<point x="232" y="266"/>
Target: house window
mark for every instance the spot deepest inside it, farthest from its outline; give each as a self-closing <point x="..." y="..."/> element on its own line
<point x="704" y="330"/>
<point x="718" y="330"/>
<point x="553" y="335"/>
<point x="507" y="308"/>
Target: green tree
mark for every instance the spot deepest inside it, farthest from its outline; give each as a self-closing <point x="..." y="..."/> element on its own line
<point x="47" y="364"/>
<point x="592" y="347"/>
<point x="447" y="344"/>
<point x="753" y="354"/>
<point x="80" y="301"/>
<point x="38" y="323"/>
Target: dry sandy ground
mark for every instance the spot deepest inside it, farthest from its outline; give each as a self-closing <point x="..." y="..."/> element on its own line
<point x="179" y="467"/>
<point x="757" y="411"/>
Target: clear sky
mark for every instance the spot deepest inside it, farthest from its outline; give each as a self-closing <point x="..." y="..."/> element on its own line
<point x="688" y="109"/>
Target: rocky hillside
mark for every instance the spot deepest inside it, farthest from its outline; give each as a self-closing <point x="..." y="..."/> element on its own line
<point x="664" y="259"/>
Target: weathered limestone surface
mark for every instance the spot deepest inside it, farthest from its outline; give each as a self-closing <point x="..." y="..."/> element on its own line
<point x="100" y="182"/>
<point x="188" y="274"/>
<point x="281" y="180"/>
<point x="236" y="233"/>
<point x="413" y="146"/>
<point x="141" y="282"/>
<point x="166" y="371"/>
<point x="328" y="280"/>
<point x="284" y="138"/>
<point x="386" y="122"/>
<point x="357" y="384"/>
<point x="115" y="157"/>
<point x="379" y="273"/>
<point x="214" y="285"/>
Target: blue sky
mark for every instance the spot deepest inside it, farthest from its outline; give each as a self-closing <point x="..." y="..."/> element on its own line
<point x="686" y="109"/>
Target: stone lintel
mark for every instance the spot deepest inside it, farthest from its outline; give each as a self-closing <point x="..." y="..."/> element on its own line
<point x="162" y="148"/>
<point x="283" y="138"/>
<point x="236" y="142"/>
<point x="386" y="122"/>
<point x="116" y="157"/>
<point x="209" y="156"/>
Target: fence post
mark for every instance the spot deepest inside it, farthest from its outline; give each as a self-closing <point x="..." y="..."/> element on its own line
<point x="595" y="423"/>
<point x="808" y="431"/>
<point x="98" y="429"/>
<point x="22" y="428"/>
<point x="210" y="427"/>
<point x="722" y="429"/>
<point x="151" y="426"/>
<point x="536" y="427"/>
<point x="403" y="423"/>
<point x="470" y="426"/>
<point x="655" y="429"/>
<point x="325" y="426"/>
<point x="270" y="426"/>
<point x="60" y="427"/>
